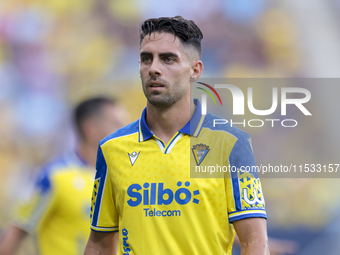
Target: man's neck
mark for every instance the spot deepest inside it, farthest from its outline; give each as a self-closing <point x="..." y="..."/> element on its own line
<point x="165" y="123"/>
<point x="88" y="153"/>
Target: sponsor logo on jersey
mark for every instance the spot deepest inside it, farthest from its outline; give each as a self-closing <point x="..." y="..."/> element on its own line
<point x="157" y="194"/>
<point x="94" y="195"/>
<point x="200" y="151"/>
<point x="126" y="246"/>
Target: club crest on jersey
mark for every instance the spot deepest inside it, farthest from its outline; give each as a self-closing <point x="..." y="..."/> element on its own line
<point x="200" y="151"/>
<point x="133" y="157"/>
<point x="251" y="190"/>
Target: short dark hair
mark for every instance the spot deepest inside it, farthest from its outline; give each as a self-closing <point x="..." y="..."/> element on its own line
<point x="88" y="109"/>
<point x="186" y="30"/>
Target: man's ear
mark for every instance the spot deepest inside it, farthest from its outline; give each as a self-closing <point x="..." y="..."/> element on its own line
<point x="196" y="70"/>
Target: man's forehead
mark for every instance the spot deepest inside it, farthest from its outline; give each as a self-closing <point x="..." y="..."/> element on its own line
<point x="161" y="41"/>
<point x="164" y="42"/>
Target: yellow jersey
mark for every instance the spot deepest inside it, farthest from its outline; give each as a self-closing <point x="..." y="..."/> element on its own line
<point x="152" y="194"/>
<point x="57" y="209"/>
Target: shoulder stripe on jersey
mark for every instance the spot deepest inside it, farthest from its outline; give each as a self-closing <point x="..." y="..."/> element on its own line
<point x="102" y="182"/>
<point x="213" y="130"/>
<point x="118" y="137"/>
<point x="101" y="197"/>
<point x="130" y="129"/>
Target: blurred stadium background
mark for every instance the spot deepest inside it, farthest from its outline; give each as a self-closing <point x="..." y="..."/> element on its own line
<point x="55" y="53"/>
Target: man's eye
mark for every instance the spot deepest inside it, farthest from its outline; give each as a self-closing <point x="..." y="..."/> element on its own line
<point x="168" y="60"/>
<point x="146" y="59"/>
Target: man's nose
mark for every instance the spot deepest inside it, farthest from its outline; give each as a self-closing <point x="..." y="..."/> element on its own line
<point x="155" y="68"/>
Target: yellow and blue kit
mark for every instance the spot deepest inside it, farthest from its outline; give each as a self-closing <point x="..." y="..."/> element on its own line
<point x="143" y="188"/>
<point x="58" y="208"/>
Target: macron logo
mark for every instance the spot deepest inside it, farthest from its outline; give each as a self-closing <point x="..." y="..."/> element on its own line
<point x="133" y="157"/>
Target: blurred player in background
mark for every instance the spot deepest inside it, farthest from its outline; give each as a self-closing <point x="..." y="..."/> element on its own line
<point x="57" y="209"/>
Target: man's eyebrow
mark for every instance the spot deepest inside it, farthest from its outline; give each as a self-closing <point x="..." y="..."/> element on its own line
<point x="144" y="53"/>
<point x="162" y="55"/>
<point x="168" y="54"/>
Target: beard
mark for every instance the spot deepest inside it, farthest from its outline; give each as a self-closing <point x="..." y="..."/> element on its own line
<point x="163" y="100"/>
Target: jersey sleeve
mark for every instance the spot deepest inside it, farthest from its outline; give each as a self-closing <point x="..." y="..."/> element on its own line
<point x="244" y="192"/>
<point x="36" y="203"/>
<point x="104" y="216"/>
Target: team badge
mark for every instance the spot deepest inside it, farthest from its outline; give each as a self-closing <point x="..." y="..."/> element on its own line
<point x="251" y="191"/>
<point x="200" y="151"/>
<point x="133" y="157"/>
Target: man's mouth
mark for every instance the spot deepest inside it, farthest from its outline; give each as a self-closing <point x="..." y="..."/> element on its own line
<point x="156" y="84"/>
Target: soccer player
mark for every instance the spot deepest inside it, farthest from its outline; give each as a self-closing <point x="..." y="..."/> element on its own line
<point x="144" y="201"/>
<point x="58" y="209"/>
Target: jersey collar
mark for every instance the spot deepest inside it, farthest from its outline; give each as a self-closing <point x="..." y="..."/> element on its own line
<point x="193" y="127"/>
<point x="74" y="158"/>
<point x="80" y="159"/>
